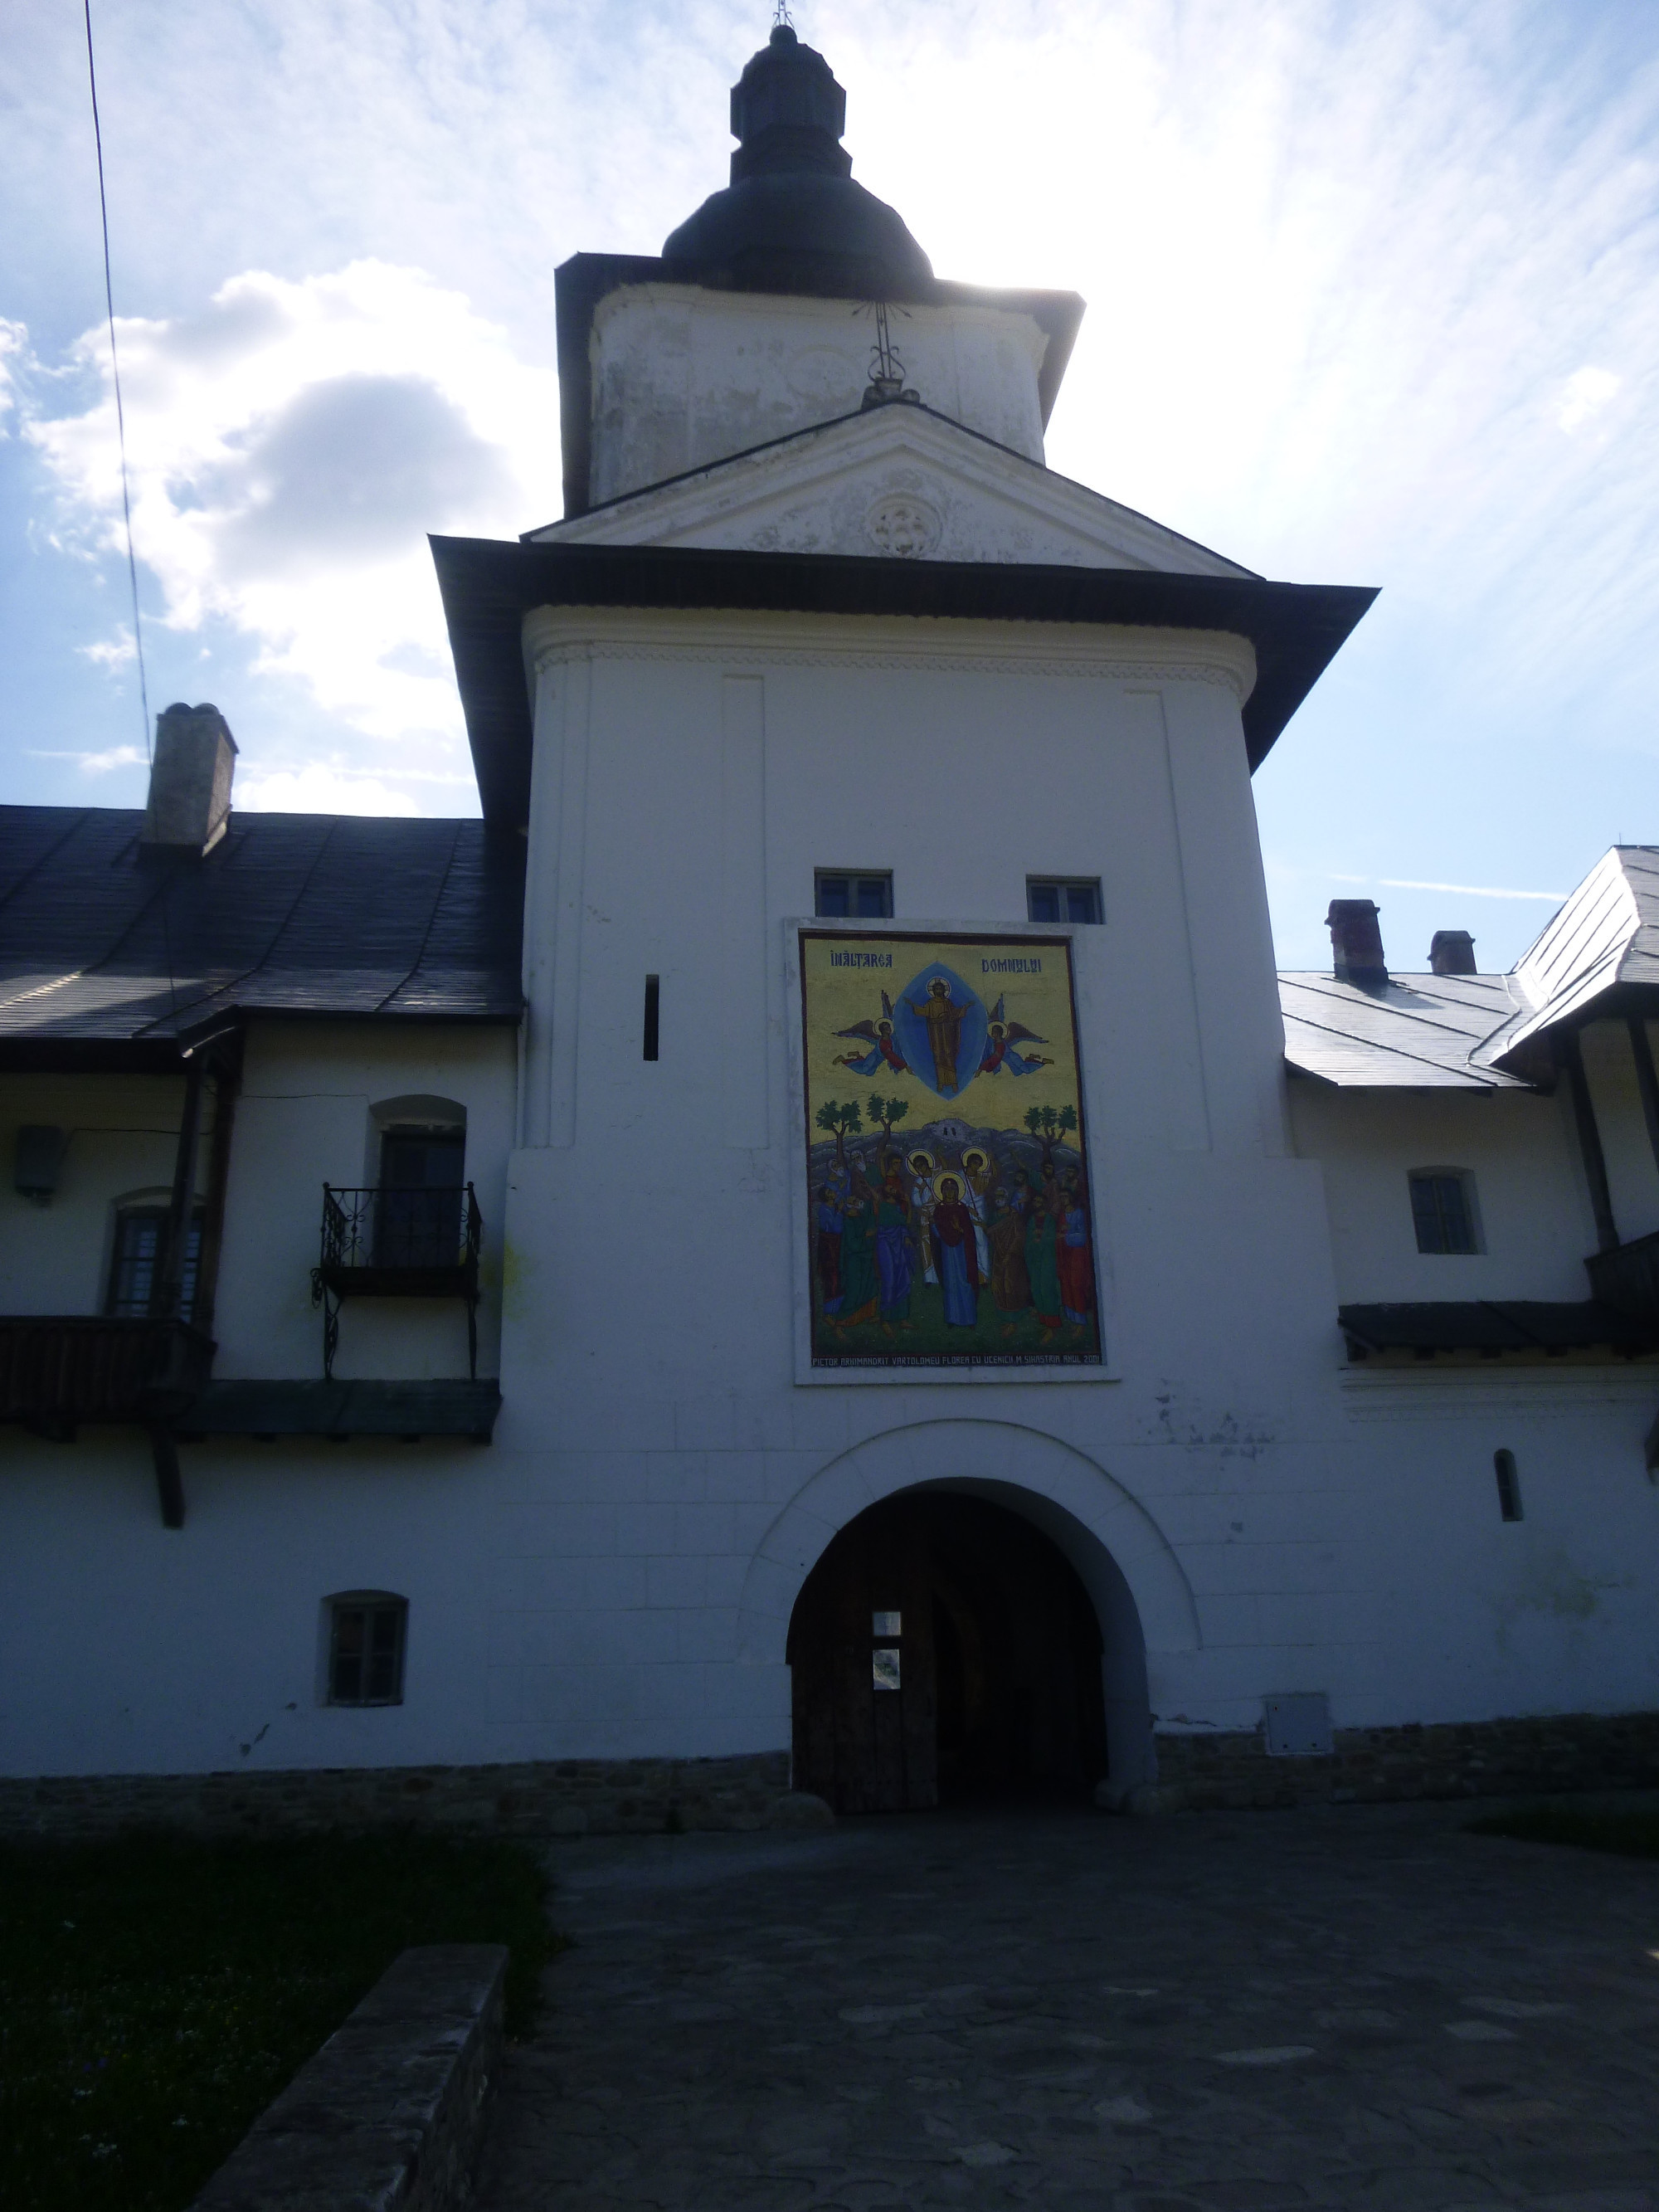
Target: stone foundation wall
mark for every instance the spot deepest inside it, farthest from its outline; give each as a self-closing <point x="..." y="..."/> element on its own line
<point x="552" y="1797"/>
<point x="1462" y="1759"/>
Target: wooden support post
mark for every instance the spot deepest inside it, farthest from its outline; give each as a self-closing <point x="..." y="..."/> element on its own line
<point x="169" y="1294"/>
<point x="169" y="1483"/>
<point x="227" y="1084"/>
<point x="1647" y="1082"/>
<point x="1589" y="1141"/>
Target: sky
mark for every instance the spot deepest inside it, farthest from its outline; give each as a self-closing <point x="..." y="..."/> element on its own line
<point x="1373" y="298"/>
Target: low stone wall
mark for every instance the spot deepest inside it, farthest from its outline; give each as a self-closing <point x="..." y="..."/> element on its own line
<point x="389" y="2115"/>
<point x="1461" y="1758"/>
<point x="550" y="1797"/>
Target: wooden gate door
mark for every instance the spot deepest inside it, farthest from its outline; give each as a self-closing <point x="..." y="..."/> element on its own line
<point x="864" y="1673"/>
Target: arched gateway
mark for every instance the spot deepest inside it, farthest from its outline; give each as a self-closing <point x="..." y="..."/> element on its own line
<point x="1029" y="1587"/>
<point x="943" y="1649"/>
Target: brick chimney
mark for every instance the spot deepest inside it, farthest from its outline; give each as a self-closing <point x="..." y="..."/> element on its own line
<point x="1451" y="952"/>
<point x="189" y="807"/>
<point x="1357" y="944"/>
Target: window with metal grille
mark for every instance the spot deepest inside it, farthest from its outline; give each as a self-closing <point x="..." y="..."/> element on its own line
<point x="1443" y="1210"/>
<point x="1063" y="898"/>
<point x="136" y="1260"/>
<point x="866" y="897"/>
<point x="1508" y="1484"/>
<point x="418" y="1219"/>
<point x="366" y="1632"/>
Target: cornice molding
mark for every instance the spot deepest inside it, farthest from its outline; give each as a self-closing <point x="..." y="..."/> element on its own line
<point x="1474" y="1393"/>
<point x="1217" y="658"/>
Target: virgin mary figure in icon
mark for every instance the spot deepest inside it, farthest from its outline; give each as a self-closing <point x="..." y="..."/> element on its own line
<point x="955" y="1255"/>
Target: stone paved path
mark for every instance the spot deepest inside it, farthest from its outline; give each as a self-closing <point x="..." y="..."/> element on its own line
<point x="1356" y="2009"/>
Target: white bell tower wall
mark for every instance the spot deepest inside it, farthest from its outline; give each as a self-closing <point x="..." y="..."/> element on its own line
<point x="684" y="375"/>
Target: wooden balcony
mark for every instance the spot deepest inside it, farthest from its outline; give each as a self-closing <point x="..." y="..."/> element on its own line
<point x="1627" y="1276"/>
<point x="57" y="1370"/>
<point x="387" y="1242"/>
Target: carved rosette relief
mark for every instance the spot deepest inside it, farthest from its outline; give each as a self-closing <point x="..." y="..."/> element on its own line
<point x="902" y="525"/>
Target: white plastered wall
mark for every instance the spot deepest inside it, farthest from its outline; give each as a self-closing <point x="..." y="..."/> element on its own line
<point x="123" y="1139"/>
<point x="580" y="1588"/>
<point x="683" y="376"/>
<point x="304" y="1119"/>
<point x="1536" y="1226"/>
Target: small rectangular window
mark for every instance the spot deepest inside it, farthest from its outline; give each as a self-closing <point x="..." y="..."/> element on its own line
<point x="1443" y="1210"/>
<point x="366" y="1651"/>
<point x="136" y="1263"/>
<point x="849" y="898"/>
<point x="1508" y="1484"/>
<point x="885" y="1668"/>
<point x="1059" y="898"/>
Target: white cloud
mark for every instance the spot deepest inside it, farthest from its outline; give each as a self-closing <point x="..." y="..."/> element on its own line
<point x="110" y="653"/>
<point x="1467" y="890"/>
<point x="14" y="351"/>
<point x="94" y="763"/>
<point x="1584" y="394"/>
<point x="288" y="449"/>
<point x="319" y="788"/>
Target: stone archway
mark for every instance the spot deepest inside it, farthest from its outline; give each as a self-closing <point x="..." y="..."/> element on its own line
<point x="1140" y="1596"/>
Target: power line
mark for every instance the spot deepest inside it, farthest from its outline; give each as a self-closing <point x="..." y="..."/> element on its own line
<point x="115" y="367"/>
<point x="126" y="496"/>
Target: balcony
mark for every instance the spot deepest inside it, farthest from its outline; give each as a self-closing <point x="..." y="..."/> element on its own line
<point x="57" y="1370"/>
<point x="387" y="1243"/>
<point x="1627" y="1276"/>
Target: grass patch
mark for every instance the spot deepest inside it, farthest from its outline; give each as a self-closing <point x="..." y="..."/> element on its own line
<point x="157" y="1994"/>
<point x="1633" y="1835"/>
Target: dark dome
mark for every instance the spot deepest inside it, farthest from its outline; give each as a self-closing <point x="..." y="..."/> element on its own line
<point x="792" y="219"/>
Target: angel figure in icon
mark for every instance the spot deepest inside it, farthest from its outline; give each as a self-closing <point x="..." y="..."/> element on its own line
<point x="879" y="1042"/>
<point x="1002" y="1040"/>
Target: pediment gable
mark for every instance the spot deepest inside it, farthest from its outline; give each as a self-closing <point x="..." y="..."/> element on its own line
<point x="898" y="482"/>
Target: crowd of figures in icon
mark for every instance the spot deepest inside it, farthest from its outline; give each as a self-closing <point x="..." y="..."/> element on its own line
<point x="975" y="1226"/>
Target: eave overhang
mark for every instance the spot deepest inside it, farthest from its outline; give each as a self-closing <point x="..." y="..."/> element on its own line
<point x="490" y="585"/>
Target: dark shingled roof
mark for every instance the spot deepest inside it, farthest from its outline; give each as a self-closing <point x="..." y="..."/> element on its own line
<point x="105" y="944"/>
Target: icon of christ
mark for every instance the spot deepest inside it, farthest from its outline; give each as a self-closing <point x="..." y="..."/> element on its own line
<point x="944" y="1018"/>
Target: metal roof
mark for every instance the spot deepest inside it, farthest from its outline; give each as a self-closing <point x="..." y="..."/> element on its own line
<point x="1415" y="1033"/>
<point x="103" y="942"/>
<point x="488" y="586"/>
<point x="1604" y="939"/>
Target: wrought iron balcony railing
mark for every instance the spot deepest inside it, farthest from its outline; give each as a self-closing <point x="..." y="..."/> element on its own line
<point x="57" y="1370"/>
<point x="387" y="1243"/>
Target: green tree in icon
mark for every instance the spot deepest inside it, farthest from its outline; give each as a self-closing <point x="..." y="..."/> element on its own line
<point x="1049" y="1127"/>
<point x="841" y="1122"/>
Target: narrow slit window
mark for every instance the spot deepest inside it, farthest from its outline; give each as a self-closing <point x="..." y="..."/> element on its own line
<point x="851" y="897"/>
<point x="652" y="1000"/>
<point x="1508" y="1484"/>
<point x="1443" y="1210"/>
<point x="1062" y="898"/>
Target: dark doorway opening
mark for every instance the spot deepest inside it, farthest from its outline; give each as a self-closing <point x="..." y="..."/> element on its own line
<point x="944" y="1650"/>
